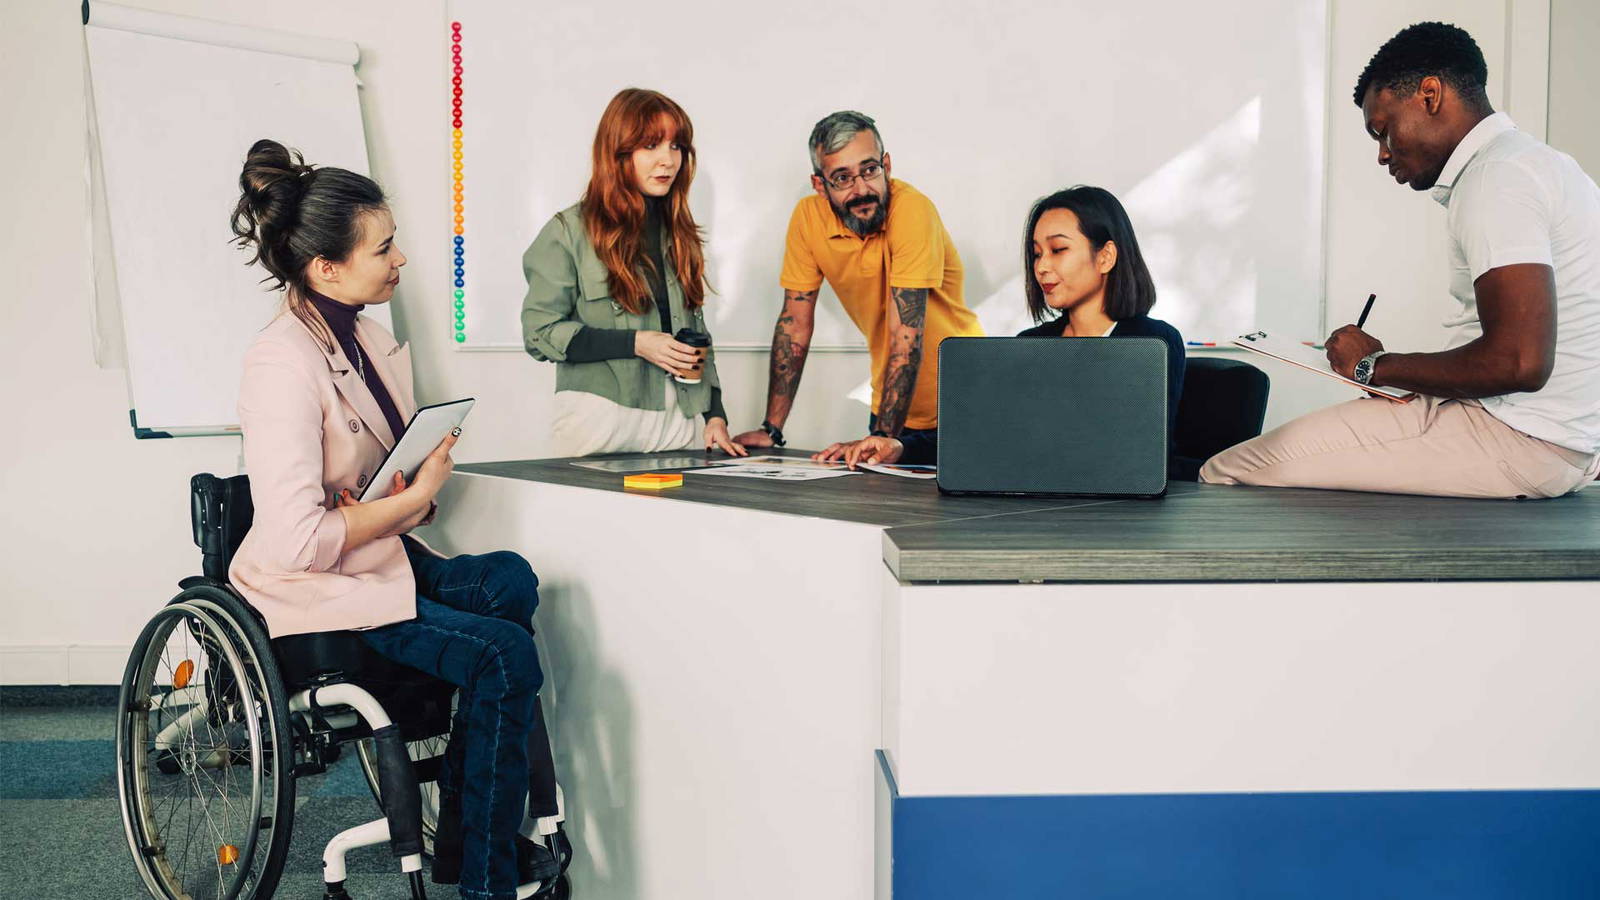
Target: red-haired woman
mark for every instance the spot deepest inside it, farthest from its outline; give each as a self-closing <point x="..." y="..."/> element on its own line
<point x="613" y="279"/>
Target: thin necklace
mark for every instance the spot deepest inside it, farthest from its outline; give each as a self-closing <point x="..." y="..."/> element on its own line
<point x="361" y="367"/>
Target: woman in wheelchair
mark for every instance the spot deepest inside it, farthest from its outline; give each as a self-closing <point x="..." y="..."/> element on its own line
<point x="325" y="393"/>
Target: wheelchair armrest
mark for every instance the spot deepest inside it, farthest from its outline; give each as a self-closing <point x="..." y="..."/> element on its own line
<point x="194" y="581"/>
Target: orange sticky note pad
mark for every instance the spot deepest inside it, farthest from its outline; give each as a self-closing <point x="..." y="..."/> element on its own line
<point x="652" y="481"/>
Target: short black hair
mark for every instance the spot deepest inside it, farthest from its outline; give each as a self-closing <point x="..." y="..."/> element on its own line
<point x="1423" y="49"/>
<point x="1130" y="292"/>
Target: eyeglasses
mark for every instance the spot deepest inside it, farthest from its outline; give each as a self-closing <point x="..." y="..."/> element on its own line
<point x="841" y="181"/>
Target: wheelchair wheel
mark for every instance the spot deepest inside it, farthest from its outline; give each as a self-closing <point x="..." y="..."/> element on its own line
<point x="204" y="760"/>
<point x="271" y="698"/>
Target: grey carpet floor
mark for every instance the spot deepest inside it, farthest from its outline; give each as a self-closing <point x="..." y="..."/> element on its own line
<point x="61" y="831"/>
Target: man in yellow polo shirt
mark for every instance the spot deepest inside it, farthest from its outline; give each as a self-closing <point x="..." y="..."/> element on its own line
<point x="881" y="245"/>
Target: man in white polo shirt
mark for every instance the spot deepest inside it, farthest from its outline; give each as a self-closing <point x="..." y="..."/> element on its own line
<point x="1511" y="407"/>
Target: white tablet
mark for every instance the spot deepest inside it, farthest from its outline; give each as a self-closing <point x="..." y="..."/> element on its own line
<point x="427" y="428"/>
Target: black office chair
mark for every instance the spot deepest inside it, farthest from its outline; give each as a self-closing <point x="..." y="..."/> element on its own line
<point x="1224" y="402"/>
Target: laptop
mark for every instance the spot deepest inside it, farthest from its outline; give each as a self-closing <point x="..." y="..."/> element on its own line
<point x="1062" y="417"/>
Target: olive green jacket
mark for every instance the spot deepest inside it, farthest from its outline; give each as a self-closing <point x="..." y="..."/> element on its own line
<point x="567" y="292"/>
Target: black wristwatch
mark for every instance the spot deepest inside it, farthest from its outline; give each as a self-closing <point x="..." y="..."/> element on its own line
<point x="773" y="432"/>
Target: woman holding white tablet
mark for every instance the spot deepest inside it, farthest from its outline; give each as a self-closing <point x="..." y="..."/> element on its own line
<point x="325" y="393"/>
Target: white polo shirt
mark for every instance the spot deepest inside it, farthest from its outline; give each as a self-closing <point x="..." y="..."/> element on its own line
<point x="1511" y="199"/>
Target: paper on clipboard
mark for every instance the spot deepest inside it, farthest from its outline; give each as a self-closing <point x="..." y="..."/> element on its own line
<point x="1298" y="354"/>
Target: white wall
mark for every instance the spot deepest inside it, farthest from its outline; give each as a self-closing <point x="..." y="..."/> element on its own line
<point x="1574" y="119"/>
<point x="96" y="527"/>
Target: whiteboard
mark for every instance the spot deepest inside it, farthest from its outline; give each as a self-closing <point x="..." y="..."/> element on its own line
<point x="1207" y="120"/>
<point x="178" y="102"/>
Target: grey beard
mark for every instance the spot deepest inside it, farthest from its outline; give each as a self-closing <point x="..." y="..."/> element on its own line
<point x="868" y="226"/>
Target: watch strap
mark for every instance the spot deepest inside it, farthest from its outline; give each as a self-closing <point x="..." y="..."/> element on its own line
<point x="773" y="432"/>
<point x="1367" y="365"/>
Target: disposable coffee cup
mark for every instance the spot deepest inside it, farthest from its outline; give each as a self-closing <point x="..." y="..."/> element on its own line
<point x="694" y="339"/>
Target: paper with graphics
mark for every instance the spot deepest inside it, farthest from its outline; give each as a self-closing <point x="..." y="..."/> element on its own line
<point x="787" y="462"/>
<point x="783" y="472"/>
<point x="649" y="463"/>
<point x="903" y="471"/>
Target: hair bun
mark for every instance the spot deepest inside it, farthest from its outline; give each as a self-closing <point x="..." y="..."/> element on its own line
<point x="270" y="187"/>
<point x="269" y="168"/>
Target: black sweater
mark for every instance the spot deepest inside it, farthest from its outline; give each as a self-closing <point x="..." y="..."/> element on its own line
<point x="1139" y="326"/>
<point x="342" y="320"/>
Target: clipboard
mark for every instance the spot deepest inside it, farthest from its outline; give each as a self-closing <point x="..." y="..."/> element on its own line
<point x="1298" y="354"/>
<point x="428" y="426"/>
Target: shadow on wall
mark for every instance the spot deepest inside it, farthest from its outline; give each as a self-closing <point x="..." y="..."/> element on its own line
<point x="590" y="718"/>
<point x="1187" y="215"/>
<point x="591" y="726"/>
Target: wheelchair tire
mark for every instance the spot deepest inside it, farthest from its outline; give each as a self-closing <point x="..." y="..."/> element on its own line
<point x="204" y="758"/>
<point x="274" y="702"/>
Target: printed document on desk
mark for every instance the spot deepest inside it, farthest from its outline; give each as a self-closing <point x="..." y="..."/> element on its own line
<point x="648" y="463"/>
<point x="1306" y="357"/>
<point x="925" y="473"/>
<point x="785" y="471"/>
<point x="787" y="462"/>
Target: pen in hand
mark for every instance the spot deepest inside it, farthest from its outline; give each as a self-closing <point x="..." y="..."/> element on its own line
<point x="1365" y="310"/>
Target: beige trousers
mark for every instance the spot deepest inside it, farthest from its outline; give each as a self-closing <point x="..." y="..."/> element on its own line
<point x="1445" y="448"/>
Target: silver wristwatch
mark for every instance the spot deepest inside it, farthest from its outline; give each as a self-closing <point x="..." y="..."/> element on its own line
<point x="1363" y="372"/>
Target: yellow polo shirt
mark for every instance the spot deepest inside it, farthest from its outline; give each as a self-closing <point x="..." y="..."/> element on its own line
<point x="912" y="251"/>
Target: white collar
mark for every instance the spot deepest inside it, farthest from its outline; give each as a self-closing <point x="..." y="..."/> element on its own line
<point x="1479" y="137"/>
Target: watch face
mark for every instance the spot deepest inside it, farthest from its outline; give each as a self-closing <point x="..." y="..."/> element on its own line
<point x="1363" y="372"/>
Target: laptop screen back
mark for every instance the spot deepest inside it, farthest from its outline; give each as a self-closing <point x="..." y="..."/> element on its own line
<point x="1060" y="416"/>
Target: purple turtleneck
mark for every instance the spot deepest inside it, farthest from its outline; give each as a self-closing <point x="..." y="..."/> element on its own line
<point x="342" y="319"/>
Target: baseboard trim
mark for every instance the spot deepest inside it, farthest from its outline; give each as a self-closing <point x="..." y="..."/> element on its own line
<point x="62" y="664"/>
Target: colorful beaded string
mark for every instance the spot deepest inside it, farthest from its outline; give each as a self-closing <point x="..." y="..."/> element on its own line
<point x="455" y="166"/>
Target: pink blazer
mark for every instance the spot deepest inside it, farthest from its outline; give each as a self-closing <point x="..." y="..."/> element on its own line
<point x="311" y="428"/>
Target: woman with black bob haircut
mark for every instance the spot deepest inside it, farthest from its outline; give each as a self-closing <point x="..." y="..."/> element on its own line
<point x="1085" y="277"/>
<point x="325" y="393"/>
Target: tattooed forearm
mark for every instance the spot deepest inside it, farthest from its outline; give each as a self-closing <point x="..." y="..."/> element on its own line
<point x="899" y="382"/>
<point x="791" y="338"/>
<point x="788" y="361"/>
<point x="905" y="358"/>
<point x="911" y="304"/>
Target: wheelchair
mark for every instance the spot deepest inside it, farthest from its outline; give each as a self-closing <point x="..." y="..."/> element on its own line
<point x="216" y="721"/>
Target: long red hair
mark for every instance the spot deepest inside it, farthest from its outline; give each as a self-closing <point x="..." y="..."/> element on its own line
<point x="613" y="207"/>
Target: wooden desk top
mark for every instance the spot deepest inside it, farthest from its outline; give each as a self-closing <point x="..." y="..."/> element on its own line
<point x="868" y="498"/>
<point x="1198" y="533"/>
<point x="1220" y="533"/>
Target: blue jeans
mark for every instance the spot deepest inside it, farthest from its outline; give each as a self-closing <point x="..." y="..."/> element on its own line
<point x="474" y="629"/>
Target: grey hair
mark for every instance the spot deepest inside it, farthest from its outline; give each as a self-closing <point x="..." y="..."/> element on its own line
<point x="836" y="130"/>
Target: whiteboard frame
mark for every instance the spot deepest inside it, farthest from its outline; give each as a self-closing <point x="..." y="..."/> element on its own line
<point x="108" y="310"/>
